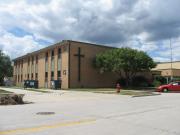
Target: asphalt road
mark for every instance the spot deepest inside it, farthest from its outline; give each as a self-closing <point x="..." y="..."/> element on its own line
<point x="84" y="113"/>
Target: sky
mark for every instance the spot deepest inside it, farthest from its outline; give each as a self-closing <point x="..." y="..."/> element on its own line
<point x="148" y="25"/>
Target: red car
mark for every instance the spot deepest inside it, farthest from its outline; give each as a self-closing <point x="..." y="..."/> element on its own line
<point x="174" y="86"/>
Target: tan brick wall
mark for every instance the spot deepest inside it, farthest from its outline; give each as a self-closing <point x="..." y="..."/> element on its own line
<point x="55" y="62"/>
<point x="176" y="73"/>
<point x="168" y="72"/>
<point x="49" y="68"/>
<point x="25" y="69"/>
<point x="65" y="66"/>
<point x="90" y="77"/>
<point x="41" y="69"/>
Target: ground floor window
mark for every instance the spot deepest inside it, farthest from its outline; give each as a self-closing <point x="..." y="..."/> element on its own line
<point x="32" y="76"/>
<point x="59" y="75"/>
<point x="46" y="80"/>
<point x="21" y="78"/>
<point x="18" y="78"/>
<point x="36" y="76"/>
<point x="52" y="75"/>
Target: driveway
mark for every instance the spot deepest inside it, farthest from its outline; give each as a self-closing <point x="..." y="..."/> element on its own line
<point x="79" y="113"/>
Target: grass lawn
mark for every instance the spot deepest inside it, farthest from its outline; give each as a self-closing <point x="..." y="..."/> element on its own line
<point x="4" y="92"/>
<point x="130" y="92"/>
<point x="29" y="89"/>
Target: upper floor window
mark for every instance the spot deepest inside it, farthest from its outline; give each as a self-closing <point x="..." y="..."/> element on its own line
<point x="46" y="58"/>
<point x="22" y="63"/>
<point x="32" y="76"/>
<point x="52" y="75"/>
<point x="59" y="75"/>
<point x="52" y="54"/>
<point x="36" y="59"/>
<point x="59" y="53"/>
<point x="36" y="76"/>
<point x="28" y="61"/>
<point x="21" y="78"/>
<point x="46" y="76"/>
<point x="32" y="60"/>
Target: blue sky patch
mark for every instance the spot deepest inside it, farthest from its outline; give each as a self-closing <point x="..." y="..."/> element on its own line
<point x="18" y="32"/>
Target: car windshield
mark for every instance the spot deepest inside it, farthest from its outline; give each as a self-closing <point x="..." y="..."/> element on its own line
<point x="175" y="83"/>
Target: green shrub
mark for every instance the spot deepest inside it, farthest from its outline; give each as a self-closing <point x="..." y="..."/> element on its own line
<point x="156" y="83"/>
<point x="140" y="81"/>
<point x="121" y="81"/>
<point x="161" y="79"/>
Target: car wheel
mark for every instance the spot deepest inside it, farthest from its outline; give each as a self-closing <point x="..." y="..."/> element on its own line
<point x="165" y="90"/>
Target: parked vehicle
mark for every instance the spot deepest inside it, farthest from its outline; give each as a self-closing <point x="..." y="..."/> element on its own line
<point x="174" y="86"/>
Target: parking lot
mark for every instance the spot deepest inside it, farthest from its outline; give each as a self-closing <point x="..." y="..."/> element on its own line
<point x="79" y="113"/>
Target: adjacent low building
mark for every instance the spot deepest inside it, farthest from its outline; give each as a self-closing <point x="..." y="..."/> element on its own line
<point x="71" y="62"/>
<point x="168" y="69"/>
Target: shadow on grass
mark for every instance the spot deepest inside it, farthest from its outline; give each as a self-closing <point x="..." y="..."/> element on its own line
<point x="36" y="90"/>
<point x="4" y="91"/>
<point x="29" y="89"/>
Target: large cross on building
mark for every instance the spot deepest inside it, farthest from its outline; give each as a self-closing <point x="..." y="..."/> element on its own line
<point x="79" y="55"/>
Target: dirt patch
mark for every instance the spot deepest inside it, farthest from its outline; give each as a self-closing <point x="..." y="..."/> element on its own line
<point x="11" y="99"/>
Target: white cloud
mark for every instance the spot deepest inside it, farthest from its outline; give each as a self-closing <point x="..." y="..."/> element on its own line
<point x="139" y="24"/>
<point x="161" y="59"/>
<point x="17" y="46"/>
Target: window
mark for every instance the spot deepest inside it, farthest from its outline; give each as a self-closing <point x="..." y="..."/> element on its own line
<point x="15" y="78"/>
<point x="175" y="83"/>
<point x="46" y="76"/>
<point x="36" y="76"/>
<point x="21" y="78"/>
<point x="59" y="75"/>
<point x="36" y="59"/>
<point x="46" y="59"/>
<point x="32" y="76"/>
<point x="59" y="53"/>
<point x="18" y="78"/>
<point x="52" y="54"/>
<point x="28" y="77"/>
<point x="32" y="60"/>
<point x="28" y="61"/>
<point x="52" y="75"/>
<point x="22" y="64"/>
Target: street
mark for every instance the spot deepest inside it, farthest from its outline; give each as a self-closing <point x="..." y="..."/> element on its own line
<point x="79" y="113"/>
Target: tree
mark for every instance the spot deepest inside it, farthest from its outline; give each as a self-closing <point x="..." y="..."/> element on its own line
<point x="6" y="69"/>
<point x="124" y="61"/>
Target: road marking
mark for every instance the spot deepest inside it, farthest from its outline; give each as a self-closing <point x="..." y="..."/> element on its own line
<point x="45" y="127"/>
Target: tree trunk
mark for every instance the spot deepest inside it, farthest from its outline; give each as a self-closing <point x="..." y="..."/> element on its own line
<point x="129" y="77"/>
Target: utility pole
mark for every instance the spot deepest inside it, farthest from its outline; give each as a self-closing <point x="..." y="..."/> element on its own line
<point x="171" y="60"/>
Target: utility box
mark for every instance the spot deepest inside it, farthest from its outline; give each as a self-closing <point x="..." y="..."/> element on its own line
<point x="31" y="84"/>
<point x="55" y="84"/>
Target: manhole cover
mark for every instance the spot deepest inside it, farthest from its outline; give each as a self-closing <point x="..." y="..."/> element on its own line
<point x="45" y="113"/>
